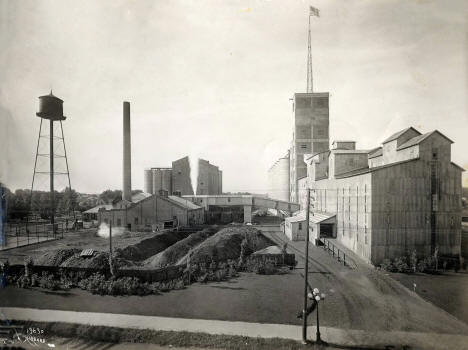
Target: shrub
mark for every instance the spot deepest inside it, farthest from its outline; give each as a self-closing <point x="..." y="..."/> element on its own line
<point x="414" y="260"/>
<point x="23" y="282"/>
<point x="400" y="265"/>
<point x="426" y="265"/>
<point x="387" y="265"/>
<point x="47" y="281"/>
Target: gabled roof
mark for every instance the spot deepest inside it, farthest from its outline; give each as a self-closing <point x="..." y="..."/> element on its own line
<point x="140" y="196"/>
<point x="457" y="166"/>
<point x="418" y="139"/>
<point x="315" y="217"/>
<point x="97" y="207"/>
<point x="377" y="152"/>
<point x="349" y="151"/>
<point x="399" y="133"/>
<point x="184" y="202"/>
<point x="370" y="170"/>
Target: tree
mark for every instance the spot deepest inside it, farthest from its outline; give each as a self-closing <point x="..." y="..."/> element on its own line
<point x="109" y="196"/>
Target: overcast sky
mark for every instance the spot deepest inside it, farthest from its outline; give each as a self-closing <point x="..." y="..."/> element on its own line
<point x="214" y="78"/>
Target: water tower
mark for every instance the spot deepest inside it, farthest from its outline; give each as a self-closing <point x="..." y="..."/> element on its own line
<point x="51" y="111"/>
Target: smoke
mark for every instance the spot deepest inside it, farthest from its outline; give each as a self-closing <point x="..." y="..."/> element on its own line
<point x="193" y="161"/>
<point x="104" y="231"/>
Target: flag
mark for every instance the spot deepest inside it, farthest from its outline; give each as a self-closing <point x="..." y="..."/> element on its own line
<point x="314" y="11"/>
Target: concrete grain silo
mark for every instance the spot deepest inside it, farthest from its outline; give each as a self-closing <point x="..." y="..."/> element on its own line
<point x="148" y="181"/>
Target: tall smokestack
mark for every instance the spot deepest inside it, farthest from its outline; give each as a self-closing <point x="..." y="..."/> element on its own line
<point x="127" y="154"/>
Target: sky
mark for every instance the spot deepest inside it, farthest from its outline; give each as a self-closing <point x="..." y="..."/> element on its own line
<point x="214" y="78"/>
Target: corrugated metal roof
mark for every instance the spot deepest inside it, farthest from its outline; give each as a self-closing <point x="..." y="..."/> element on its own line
<point x="87" y="252"/>
<point x="314" y="217"/>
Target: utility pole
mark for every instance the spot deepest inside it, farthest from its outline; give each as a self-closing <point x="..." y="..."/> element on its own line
<point x="306" y="271"/>
<point x="111" y="263"/>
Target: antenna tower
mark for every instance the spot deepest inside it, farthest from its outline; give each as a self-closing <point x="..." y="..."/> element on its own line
<point x="310" y="82"/>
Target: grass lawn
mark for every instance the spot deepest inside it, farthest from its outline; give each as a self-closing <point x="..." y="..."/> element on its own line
<point x="449" y="290"/>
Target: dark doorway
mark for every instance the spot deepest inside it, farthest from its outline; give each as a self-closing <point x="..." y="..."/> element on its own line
<point x="326" y="230"/>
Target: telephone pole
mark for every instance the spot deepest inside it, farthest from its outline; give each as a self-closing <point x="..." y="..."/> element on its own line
<point x="306" y="271"/>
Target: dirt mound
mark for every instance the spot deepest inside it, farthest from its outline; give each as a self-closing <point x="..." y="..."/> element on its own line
<point x="98" y="260"/>
<point x="55" y="257"/>
<point x="226" y="244"/>
<point x="152" y="246"/>
<point x="179" y="249"/>
<point x="72" y="258"/>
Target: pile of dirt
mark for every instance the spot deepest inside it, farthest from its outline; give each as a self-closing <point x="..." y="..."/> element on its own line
<point x="152" y="246"/>
<point x="72" y="258"/>
<point x="226" y="244"/>
<point x="178" y="250"/>
<point x="97" y="260"/>
<point x="55" y="257"/>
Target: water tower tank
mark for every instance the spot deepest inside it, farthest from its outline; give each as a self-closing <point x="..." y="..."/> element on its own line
<point x="50" y="107"/>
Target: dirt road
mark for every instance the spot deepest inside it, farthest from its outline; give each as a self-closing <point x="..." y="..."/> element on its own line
<point x="362" y="299"/>
<point x="369" y="299"/>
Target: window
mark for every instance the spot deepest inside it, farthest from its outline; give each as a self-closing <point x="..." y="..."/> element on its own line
<point x="136" y="221"/>
<point x="300" y="226"/>
<point x="119" y="222"/>
<point x="303" y="146"/>
<point x="229" y="200"/>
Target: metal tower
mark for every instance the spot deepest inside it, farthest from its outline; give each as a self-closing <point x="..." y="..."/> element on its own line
<point x="51" y="109"/>
<point x="310" y="86"/>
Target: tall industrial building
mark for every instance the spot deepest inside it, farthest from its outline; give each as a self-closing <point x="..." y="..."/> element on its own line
<point x="178" y="180"/>
<point x="310" y="134"/>
<point x="157" y="179"/>
<point x="386" y="202"/>
<point x="278" y="179"/>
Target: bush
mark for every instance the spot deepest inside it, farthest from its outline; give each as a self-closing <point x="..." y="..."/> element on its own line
<point x="426" y="265"/>
<point x="414" y="260"/>
<point x="47" y="281"/>
<point x="387" y="265"/>
<point x="23" y="282"/>
<point x="400" y="265"/>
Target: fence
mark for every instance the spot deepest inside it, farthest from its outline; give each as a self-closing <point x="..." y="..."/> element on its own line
<point x="22" y="234"/>
<point x="338" y="253"/>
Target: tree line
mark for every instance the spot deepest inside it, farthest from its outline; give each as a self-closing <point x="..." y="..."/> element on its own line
<point x="22" y="204"/>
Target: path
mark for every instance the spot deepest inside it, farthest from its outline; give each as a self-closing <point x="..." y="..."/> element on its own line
<point x="332" y="335"/>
